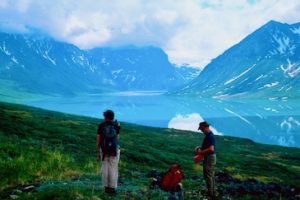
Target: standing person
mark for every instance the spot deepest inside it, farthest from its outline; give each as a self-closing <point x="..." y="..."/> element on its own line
<point x="108" y="135"/>
<point x="208" y="150"/>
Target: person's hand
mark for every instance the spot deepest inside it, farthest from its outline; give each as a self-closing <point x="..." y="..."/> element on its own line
<point x="197" y="149"/>
<point x="199" y="152"/>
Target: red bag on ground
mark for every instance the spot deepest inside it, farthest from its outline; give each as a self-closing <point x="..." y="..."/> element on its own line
<point x="171" y="178"/>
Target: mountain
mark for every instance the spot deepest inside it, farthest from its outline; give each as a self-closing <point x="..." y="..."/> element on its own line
<point x="51" y="155"/>
<point x="137" y="68"/>
<point x="188" y="73"/>
<point x="42" y="65"/>
<point x="39" y="64"/>
<point x="264" y="64"/>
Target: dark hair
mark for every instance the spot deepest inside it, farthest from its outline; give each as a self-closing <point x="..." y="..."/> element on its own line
<point x="203" y="125"/>
<point x="109" y="114"/>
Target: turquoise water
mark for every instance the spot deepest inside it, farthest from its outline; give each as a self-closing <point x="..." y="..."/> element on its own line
<point x="265" y="121"/>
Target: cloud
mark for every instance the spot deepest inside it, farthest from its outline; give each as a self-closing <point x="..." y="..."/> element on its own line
<point x="3" y="3"/>
<point x="192" y="31"/>
<point x="189" y="122"/>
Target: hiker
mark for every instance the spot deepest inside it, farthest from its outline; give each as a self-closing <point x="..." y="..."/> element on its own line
<point x="108" y="151"/>
<point x="208" y="150"/>
<point x="169" y="181"/>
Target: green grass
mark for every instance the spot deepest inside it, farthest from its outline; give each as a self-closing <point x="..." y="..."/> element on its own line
<point x="57" y="152"/>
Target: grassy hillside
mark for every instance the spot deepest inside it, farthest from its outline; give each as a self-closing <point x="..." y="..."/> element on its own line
<point x="50" y="155"/>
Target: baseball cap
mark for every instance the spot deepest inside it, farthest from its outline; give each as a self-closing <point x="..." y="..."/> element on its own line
<point x="203" y="125"/>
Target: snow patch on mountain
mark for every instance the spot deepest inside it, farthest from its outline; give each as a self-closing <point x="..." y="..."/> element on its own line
<point x="295" y="72"/>
<point x="28" y="42"/>
<point x="242" y="74"/>
<point x="14" y="60"/>
<point x="287" y="125"/>
<point x="296" y="30"/>
<point x="284" y="140"/>
<point x="283" y="44"/>
<point x="271" y="109"/>
<point x="221" y="96"/>
<point x="81" y="57"/>
<point x="47" y="57"/>
<point x="259" y="77"/>
<point x="5" y="50"/>
<point x="289" y="88"/>
<point x="116" y="72"/>
<point x="271" y="84"/>
<point x="239" y="116"/>
<point x="292" y="69"/>
<point x="130" y="61"/>
<point x="103" y="60"/>
<point x="259" y="115"/>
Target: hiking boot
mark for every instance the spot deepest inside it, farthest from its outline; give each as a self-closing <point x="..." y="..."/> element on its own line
<point x="106" y="190"/>
<point x="110" y="190"/>
<point x="113" y="191"/>
<point x="212" y="197"/>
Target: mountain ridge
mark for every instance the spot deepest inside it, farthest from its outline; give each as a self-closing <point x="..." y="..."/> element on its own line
<point x="271" y="53"/>
<point x="41" y="64"/>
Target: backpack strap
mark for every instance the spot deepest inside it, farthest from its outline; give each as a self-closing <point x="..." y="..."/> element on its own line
<point x="114" y="125"/>
<point x="102" y="139"/>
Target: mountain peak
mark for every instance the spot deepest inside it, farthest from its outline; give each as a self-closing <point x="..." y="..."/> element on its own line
<point x="271" y="25"/>
<point x="264" y="64"/>
<point x="273" y="22"/>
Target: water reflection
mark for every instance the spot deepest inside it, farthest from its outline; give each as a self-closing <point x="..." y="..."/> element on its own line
<point x="189" y="122"/>
<point x="266" y="121"/>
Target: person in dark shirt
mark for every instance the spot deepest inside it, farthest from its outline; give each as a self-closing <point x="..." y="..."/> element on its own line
<point x="208" y="150"/>
<point x="108" y="149"/>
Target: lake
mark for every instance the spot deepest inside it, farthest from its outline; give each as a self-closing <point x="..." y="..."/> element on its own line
<point x="265" y="121"/>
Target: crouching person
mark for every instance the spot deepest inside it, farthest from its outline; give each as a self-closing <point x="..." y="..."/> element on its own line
<point x="108" y="135"/>
<point x="171" y="182"/>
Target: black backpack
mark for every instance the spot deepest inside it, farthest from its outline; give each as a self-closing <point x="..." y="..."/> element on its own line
<point x="109" y="141"/>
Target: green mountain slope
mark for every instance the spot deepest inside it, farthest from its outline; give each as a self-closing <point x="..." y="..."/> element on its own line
<point x="50" y="155"/>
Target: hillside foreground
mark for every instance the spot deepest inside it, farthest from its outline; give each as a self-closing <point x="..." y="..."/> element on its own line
<point x="51" y="155"/>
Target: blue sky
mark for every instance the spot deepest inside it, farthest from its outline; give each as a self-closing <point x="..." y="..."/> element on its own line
<point x="190" y="31"/>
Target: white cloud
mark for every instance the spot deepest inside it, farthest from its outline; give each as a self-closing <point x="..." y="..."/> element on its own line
<point x="3" y="3"/>
<point x="22" y="5"/>
<point x="189" y="31"/>
<point x="189" y="122"/>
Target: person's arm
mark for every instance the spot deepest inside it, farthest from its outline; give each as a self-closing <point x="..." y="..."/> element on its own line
<point x="211" y="146"/>
<point x="118" y="127"/>
<point x="98" y="142"/>
<point x="209" y="150"/>
<point x="98" y="147"/>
